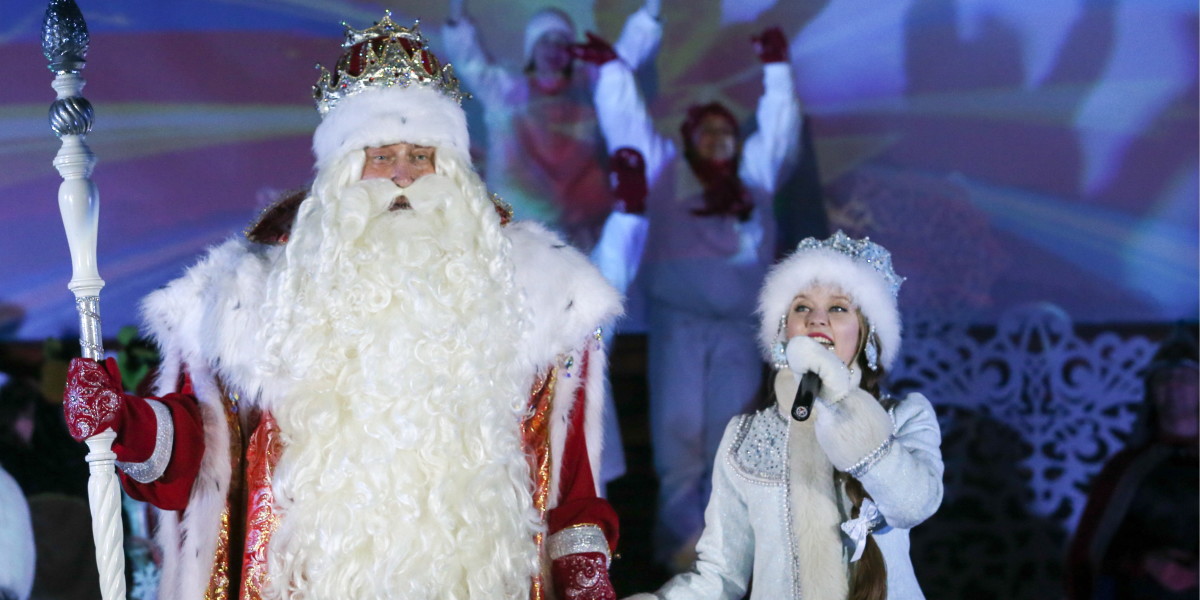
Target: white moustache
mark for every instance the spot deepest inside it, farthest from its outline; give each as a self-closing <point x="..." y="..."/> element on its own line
<point x="426" y="194"/>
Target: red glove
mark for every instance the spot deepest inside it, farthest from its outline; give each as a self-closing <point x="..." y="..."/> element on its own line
<point x="583" y="575"/>
<point x="771" y="45"/>
<point x="629" y="172"/>
<point x="595" y="50"/>
<point x="93" y="399"/>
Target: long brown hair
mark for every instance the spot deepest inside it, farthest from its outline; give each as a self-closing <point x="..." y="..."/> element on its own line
<point x="868" y="576"/>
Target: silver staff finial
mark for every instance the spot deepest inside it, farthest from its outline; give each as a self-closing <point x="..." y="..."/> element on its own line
<point x="65" y="44"/>
<point x="64" y="36"/>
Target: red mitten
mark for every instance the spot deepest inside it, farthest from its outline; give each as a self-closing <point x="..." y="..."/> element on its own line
<point x="771" y="45"/>
<point x="93" y="399"/>
<point x="629" y="171"/>
<point x="583" y="575"/>
<point x="596" y="50"/>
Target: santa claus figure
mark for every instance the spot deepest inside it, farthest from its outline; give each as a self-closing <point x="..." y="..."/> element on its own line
<point x="385" y="389"/>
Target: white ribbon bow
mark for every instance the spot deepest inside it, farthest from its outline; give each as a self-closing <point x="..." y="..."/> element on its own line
<point x="859" y="528"/>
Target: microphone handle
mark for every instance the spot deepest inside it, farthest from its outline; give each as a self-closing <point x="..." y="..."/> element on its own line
<point x="810" y="383"/>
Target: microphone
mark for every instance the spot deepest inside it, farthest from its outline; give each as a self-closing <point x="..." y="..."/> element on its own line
<point x="810" y="383"/>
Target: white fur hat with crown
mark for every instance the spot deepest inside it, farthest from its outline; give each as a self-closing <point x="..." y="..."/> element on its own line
<point x="860" y="268"/>
<point x="388" y="88"/>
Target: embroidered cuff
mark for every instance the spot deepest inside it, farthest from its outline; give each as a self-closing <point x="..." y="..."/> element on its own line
<point x="154" y="467"/>
<point x="575" y="539"/>
<point x="862" y="466"/>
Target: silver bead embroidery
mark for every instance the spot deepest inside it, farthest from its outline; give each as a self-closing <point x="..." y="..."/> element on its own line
<point x="576" y="540"/>
<point x="861" y="467"/>
<point x="154" y="467"/>
<point x="759" y="452"/>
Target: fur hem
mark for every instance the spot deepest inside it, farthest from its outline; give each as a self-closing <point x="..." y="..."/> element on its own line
<point x="567" y="401"/>
<point x="194" y="533"/>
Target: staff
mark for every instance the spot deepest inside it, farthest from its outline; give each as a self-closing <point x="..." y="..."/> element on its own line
<point x="65" y="44"/>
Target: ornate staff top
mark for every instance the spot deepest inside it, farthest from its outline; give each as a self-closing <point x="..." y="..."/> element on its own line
<point x="65" y="44"/>
<point x="64" y="36"/>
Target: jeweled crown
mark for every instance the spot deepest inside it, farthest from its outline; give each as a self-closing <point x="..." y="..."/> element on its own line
<point x="863" y="251"/>
<point x="384" y="55"/>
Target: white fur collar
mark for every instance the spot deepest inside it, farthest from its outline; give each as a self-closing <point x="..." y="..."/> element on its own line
<point x="566" y="295"/>
<point x="814" y="516"/>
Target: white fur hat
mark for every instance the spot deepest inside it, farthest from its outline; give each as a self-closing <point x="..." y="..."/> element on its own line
<point x="388" y="115"/>
<point x="545" y="21"/>
<point x="387" y="88"/>
<point x="860" y="268"/>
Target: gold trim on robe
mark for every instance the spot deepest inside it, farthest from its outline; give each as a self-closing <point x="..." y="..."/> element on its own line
<point x="262" y="455"/>
<point x="221" y="580"/>
<point x="535" y="432"/>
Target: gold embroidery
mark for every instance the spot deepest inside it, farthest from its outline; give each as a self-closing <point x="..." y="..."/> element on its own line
<point x="535" y="431"/>
<point x="221" y="579"/>
<point x="262" y="455"/>
<point x="218" y="585"/>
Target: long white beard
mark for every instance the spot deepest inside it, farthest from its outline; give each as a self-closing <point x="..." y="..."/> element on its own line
<point x="403" y="474"/>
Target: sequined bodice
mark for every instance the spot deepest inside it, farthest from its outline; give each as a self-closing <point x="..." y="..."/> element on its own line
<point x="759" y="452"/>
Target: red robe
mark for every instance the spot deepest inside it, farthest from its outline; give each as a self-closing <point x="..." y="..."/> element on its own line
<point x="216" y="490"/>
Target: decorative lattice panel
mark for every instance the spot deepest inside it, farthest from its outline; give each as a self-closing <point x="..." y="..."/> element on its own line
<point x="1029" y="413"/>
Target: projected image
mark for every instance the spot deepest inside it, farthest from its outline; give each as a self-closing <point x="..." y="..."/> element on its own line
<point x="1007" y="153"/>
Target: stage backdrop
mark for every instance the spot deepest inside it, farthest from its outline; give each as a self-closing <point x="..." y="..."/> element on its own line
<point x="1008" y="152"/>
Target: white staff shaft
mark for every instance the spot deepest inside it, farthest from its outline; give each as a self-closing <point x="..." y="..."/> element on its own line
<point x="79" y="204"/>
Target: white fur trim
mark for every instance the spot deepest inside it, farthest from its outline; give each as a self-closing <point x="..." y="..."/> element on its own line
<point x="568" y="299"/>
<point x="806" y="267"/>
<point x="815" y="519"/>
<point x="566" y="295"/>
<point x="203" y="319"/>
<point x="196" y="319"/>
<point x="195" y="535"/>
<point x="564" y="406"/>
<point x="593" y="423"/>
<point x="378" y="117"/>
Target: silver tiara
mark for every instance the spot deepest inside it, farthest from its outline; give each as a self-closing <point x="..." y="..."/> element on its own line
<point x="864" y="251"/>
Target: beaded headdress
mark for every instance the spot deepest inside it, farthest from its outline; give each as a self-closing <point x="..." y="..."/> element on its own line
<point x="860" y="268"/>
<point x="387" y="87"/>
<point x="862" y="251"/>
